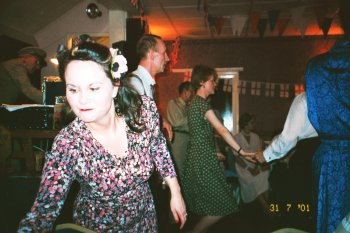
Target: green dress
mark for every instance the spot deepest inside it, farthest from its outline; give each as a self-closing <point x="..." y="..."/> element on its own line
<point x="205" y="188"/>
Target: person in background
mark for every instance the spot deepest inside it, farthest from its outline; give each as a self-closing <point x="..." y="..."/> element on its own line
<point x="177" y="116"/>
<point x="151" y="50"/>
<point x="111" y="149"/>
<point x="253" y="178"/>
<point x="205" y="188"/>
<point x="14" y="76"/>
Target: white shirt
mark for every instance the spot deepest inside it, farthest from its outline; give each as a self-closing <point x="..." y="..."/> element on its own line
<point x="345" y="225"/>
<point x="144" y="87"/>
<point x="296" y="127"/>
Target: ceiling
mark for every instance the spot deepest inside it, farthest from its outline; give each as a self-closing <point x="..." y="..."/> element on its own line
<point x="188" y="19"/>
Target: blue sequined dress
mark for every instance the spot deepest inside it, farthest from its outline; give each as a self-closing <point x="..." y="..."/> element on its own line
<point x="328" y="100"/>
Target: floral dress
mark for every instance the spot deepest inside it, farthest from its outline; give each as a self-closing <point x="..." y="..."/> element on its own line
<point x="115" y="195"/>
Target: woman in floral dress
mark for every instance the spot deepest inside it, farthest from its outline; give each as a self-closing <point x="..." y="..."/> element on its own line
<point x="111" y="149"/>
<point x="206" y="191"/>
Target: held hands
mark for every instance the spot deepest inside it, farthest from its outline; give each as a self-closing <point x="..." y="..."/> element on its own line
<point x="260" y="157"/>
<point x="249" y="156"/>
<point x="255" y="157"/>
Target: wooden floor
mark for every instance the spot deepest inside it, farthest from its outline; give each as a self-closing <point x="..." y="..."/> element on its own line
<point x="18" y="193"/>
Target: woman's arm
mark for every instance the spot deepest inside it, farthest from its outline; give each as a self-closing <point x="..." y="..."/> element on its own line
<point x="224" y="133"/>
<point x="162" y="160"/>
<point x="56" y="180"/>
<point x="177" y="203"/>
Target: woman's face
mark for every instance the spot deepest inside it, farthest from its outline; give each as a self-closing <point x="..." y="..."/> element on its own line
<point x="210" y="85"/>
<point x="89" y="91"/>
<point x="251" y="125"/>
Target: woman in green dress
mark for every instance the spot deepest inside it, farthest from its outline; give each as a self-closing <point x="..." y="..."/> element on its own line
<point x="206" y="191"/>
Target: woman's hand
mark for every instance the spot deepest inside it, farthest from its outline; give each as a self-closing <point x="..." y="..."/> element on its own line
<point x="220" y="156"/>
<point x="178" y="209"/>
<point x="259" y="156"/>
<point x="249" y="156"/>
<point x="177" y="203"/>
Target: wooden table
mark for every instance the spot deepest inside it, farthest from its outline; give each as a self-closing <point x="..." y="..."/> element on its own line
<point x="25" y="138"/>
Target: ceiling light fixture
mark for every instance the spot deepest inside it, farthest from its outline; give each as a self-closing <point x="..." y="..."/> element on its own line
<point x="92" y="11"/>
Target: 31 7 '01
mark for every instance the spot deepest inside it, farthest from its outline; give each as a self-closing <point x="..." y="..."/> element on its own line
<point x="288" y="207"/>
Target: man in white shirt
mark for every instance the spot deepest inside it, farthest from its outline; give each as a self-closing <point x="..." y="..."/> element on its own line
<point x="153" y="58"/>
<point x="296" y="127"/>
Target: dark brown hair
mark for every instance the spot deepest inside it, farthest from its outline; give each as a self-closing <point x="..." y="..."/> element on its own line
<point x="127" y="102"/>
<point x="200" y="74"/>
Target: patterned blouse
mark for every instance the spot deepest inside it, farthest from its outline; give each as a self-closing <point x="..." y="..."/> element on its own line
<point x="114" y="193"/>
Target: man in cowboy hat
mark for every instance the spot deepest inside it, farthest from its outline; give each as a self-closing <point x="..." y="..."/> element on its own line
<point x="14" y="79"/>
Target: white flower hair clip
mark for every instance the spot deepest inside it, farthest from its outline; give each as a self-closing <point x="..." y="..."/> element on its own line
<point x="119" y="64"/>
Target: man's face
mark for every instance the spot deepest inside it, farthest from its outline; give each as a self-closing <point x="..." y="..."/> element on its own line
<point x="188" y="95"/>
<point x="31" y="63"/>
<point x="160" y="57"/>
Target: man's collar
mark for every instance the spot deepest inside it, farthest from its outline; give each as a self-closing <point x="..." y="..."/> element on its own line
<point x="144" y="72"/>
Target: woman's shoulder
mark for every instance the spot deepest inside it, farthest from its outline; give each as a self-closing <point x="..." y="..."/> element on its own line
<point x="148" y="103"/>
<point x="71" y="131"/>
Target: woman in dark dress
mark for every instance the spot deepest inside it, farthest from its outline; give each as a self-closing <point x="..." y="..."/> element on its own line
<point x="206" y="191"/>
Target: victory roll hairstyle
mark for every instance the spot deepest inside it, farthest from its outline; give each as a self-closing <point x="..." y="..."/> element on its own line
<point x="127" y="102"/>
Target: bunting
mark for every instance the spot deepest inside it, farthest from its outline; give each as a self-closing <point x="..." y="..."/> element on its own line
<point x="242" y="87"/>
<point x="282" y="25"/>
<point x="327" y="22"/>
<point x="298" y="88"/>
<point x="273" y="18"/>
<point x="254" y="20"/>
<point x="320" y="12"/>
<point x="266" y="89"/>
<point x="237" y="24"/>
<point x="262" y="26"/>
<point x="298" y="19"/>
<point x="270" y="89"/>
<point x="211" y="24"/>
<point x="284" y="90"/>
<point x="255" y="88"/>
<point x="219" y="23"/>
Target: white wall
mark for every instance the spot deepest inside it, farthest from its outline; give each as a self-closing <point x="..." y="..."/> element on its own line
<point x="73" y="22"/>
